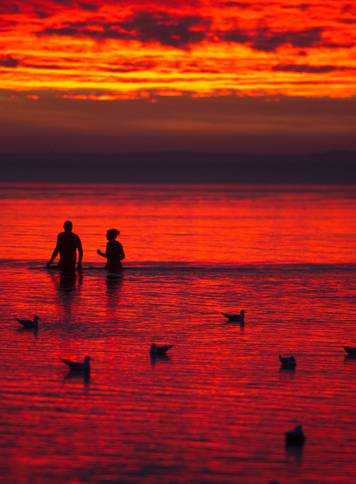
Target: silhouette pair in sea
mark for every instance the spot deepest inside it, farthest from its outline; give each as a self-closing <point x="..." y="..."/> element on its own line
<point x="69" y="245"/>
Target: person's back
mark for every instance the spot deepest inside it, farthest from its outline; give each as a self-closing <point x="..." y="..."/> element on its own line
<point x="114" y="252"/>
<point x="68" y="243"/>
<point x="67" y="246"/>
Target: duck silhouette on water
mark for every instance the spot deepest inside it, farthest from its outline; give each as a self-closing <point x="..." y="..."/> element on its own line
<point x="29" y="323"/>
<point x="235" y="318"/>
<point x="159" y="350"/>
<point x="287" y="362"/>
<point x="295" y="436"/>
<point x="350" y="351"/>
<point x="77" y="366"/>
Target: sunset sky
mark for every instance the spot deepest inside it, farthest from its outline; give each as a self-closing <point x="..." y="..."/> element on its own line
<point x="142" y="75"/>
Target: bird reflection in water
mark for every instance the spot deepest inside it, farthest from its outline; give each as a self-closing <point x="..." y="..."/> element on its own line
<point x="295" y="440"/>
<point x="33" y="331"/>
<point x="154" y="359"/>
<point x="294" y="453"/>
<point x="76" y="378"/>
<point x="287" y="373"/>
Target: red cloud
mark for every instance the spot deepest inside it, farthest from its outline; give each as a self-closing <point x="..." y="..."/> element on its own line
<point x="8" y="61"/>
<point x="201" y="47"/>
<point x="161" y="27"/>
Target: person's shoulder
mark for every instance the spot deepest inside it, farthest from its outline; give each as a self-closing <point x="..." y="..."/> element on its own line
<point x="112" y="243"/>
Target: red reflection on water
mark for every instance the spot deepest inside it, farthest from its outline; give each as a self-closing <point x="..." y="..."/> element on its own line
<point x="220" y="224"/>
<point x="216" y="410"/>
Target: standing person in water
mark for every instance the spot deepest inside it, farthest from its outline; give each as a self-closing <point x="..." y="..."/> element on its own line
<point x="67" y="246"/>
<point x="114" y="253"/>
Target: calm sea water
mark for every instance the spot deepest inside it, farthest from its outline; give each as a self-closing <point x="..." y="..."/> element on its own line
<point x="218" y="408"/>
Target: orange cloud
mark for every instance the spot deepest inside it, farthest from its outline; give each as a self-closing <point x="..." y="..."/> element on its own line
<point x="102" y="50"/>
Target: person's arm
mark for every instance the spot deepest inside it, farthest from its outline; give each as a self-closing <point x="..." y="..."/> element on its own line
<point x="103" y="254"/>
<point x="80" y="253"/>
<point x="122" y="252"/>
<point x="55" y="253"/>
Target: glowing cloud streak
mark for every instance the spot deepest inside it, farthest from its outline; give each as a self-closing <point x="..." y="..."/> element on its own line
<point x="143" y="49"/>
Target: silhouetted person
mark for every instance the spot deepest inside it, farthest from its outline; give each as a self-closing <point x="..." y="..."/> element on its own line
<point x="67" y="246"/>
<point x="114" y="253"/>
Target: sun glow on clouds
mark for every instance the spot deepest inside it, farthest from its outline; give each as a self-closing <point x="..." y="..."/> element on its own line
<point x="141" y="49"/>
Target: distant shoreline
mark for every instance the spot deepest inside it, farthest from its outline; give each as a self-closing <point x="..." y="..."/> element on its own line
<point x="324" y="168"/>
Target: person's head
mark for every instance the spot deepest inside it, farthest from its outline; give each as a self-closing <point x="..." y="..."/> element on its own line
<point x="68" y="226"/>
<point x="111" y="234"/>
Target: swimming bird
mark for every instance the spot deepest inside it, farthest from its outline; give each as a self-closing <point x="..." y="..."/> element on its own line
<point x="295" y="436"/>
<point x="235" y="318"/>
<point x="78" y="366"/>
<point x="350" y="350"/>
<point x="288" y="362"/>
<point x="159" y="350"/>
<point x="29" y="323"/>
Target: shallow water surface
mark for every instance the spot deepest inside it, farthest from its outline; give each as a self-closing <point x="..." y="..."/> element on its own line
<point x="216" y="410"/>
